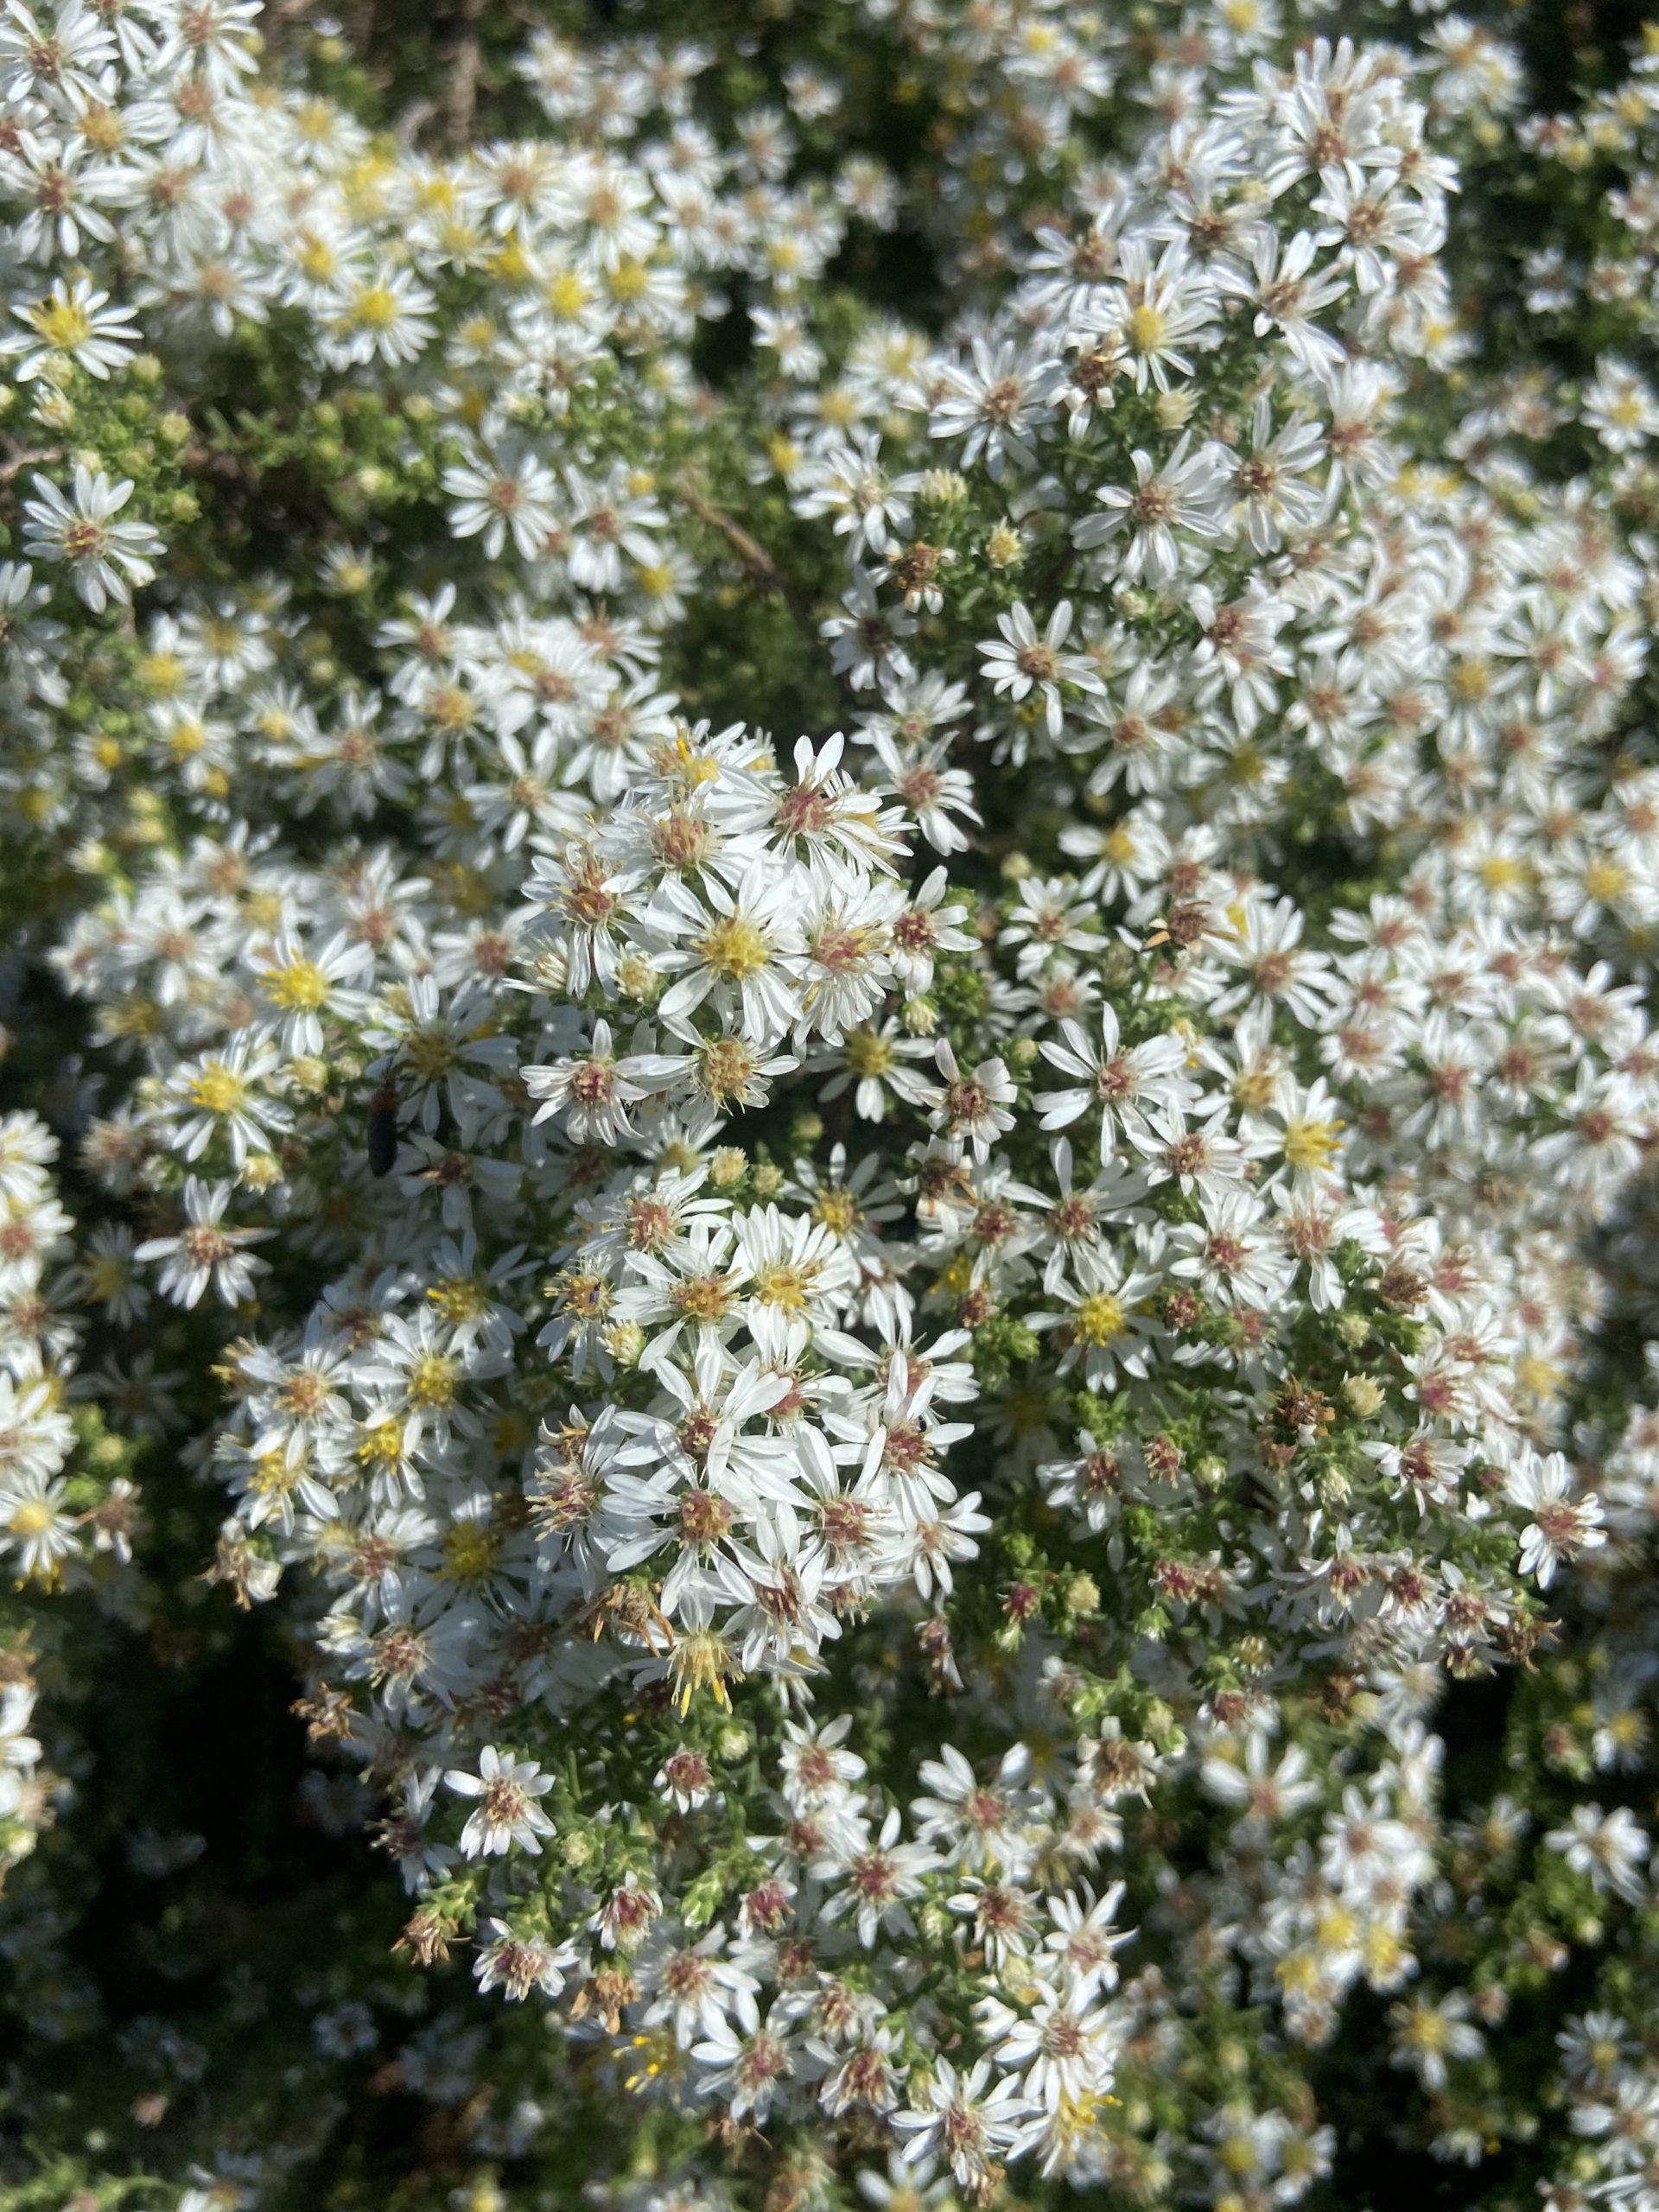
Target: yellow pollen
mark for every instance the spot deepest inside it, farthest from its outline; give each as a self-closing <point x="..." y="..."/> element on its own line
<point x="382" y="1445"/>
<point x="375" y="307"/>
<point x="566" y="293"/>
<point x="1311" y="1146"/>
<point x="734" y="946"/>
<point x="1335" y="1928"/>
<point x="1099" y="1319"/>
<point x="62" y="324"/>
<point x="432" y="1380"/>
<point x="301" y="985"/>
<point x="271" y="1475"/>
<point x="699" y="1661"/>
<point x="781" y="1285"/>
<point x="162" y="671"/>
<point x="458" y="1298"/>
<point x="469" y="1551"/>
<point x="837" y="1210"/>
<point x="217" y="1090"/>
<point x="868" y="1053"/>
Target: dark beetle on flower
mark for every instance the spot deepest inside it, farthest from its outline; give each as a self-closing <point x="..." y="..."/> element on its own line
<point x="383" y="1129"/>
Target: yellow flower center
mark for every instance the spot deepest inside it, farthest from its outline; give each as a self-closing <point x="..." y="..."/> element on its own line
<point x="458" y="1298"/>
<point x="301" y="985"/>
<point x="837" y="1210"/>
<point x="432" y="1380"/>
<point x="375" y="307"/>
<point x="1099" y="1319"/>
<point x="1472" y="680"/>
<point x="382" y="1445"/>
<point x="734" y="946"/>
<point x="1335" y="1928"/>
<point x="780" y="1284"/>
<point x="1311" y="1146"/>
<point x="162" y="671"/>
<point x="431" y="1053"/>
<point x="566" y="293"/>
<point x="270" y="1474"/>
<point x="62" y="324"/>
<point x="217" y="1089"/>
<point x="469" y="1551"/>
<point x="868" y="1053"/>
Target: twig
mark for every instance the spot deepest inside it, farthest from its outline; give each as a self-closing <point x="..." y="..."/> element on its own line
<point x="26" y="458"/>
<point x="414" y="119"/>
<point x="462" y="96"/>
<point x="766" y="573"/>
<point x="753" y="556"/>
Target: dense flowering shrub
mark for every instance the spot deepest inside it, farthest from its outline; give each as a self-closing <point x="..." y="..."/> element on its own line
<point x="827" y="1221"/>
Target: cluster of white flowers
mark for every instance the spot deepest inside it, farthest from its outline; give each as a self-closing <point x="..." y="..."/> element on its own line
<point x="34" y="1440"/>
<point x="58" y="1531"/>
<point x="851" y="1355"/>
<point x="35" y="1433"/>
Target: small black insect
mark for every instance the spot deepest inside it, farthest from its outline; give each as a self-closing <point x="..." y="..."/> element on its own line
<point x="382" y="1130"/>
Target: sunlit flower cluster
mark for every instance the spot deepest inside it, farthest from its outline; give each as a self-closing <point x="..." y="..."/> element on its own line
<point x="866" y="1093"/>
